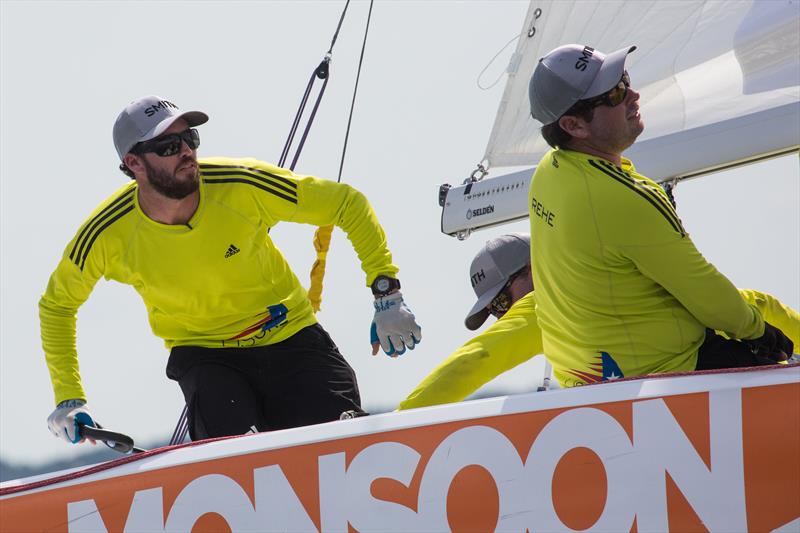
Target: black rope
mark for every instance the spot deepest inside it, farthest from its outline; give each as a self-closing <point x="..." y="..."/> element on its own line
<point x="339" y="27"/>
<point x="180" y="429"/>
<point x="298" y="116"/>
<point x="321" y="72"/>
<point x="355" y="91"/>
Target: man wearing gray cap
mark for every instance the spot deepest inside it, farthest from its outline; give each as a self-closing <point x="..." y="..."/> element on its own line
<point x="191" y="236"/>
<point x="501" y="277"/>
<point x="621" y="288"/>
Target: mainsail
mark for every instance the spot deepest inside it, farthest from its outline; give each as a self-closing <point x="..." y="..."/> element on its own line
<point x="707" y="72"/>
<point x="719" y="83"/>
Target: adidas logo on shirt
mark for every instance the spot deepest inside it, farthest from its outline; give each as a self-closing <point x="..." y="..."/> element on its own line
<point x="232" y="250"/>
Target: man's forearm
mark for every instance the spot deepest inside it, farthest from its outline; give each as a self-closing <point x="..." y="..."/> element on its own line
<point x="59" y="344"/>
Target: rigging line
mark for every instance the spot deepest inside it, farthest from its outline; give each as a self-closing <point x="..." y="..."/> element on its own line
<point x="320" y="72"/>
<point x="179" y="428"/>
<point x="489" y="64"/>
<point x="355" y="92"/>
<point x="293" y="129"/>
<point x="322" y="67"/>
<point x="338" y="27"/>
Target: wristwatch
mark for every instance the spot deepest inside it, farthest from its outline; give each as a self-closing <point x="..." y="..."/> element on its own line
<point x="383" y="285"/>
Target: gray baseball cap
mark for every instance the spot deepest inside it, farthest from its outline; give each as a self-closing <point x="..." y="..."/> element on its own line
<point x="570" y="73"/>
<point x="493" y="265"/>
<point x="148" y="117"/>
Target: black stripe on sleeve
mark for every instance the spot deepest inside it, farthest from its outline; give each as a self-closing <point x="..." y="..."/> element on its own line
<point x="645" y="193"/>
<point x="261" y="186"/>
<point x="123" y="199"/>
<point x="265" y="181"/>
<point x="655" y="194"/>
<point x="221" y="169"/>
<point x="119" y="215"/>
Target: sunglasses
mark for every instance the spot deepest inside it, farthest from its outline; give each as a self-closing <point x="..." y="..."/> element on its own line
<point x="501" y="303"/>
<point x="168" y="145"/>
<point x="613" y="97"/>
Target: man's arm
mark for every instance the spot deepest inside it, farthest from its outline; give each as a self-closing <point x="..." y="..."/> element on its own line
<point x="285" y="196"/>
<point x="643" y="226"/>
<point x="323" y="202"/>
<point x="82" y="264"/>
<point x="679" y="267"/>
<point x="512" y="340"/>
<point x="776" y="313"/>
<point x="67" y="289"/>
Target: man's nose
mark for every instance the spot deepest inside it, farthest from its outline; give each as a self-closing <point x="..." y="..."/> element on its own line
<point x="633" y="94"/>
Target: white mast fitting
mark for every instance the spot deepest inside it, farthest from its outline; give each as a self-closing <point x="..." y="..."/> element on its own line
<point x="719" y="84"/>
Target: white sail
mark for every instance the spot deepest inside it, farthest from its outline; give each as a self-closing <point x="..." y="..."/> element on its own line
<point x="719" y="80"/>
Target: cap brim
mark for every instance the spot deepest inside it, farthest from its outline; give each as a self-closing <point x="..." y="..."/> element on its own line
<point x="192" y="118"/>
<point x="478" y="314"/>
<point x="610" y="72"/>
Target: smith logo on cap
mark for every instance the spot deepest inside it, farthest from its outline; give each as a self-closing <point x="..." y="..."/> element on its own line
<point x="155" y="108"/>
<point x="583" y="61"/>
<point x="477" y="277"/>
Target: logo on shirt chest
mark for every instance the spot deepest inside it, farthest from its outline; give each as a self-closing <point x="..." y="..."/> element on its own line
<point x="232" y="250"/>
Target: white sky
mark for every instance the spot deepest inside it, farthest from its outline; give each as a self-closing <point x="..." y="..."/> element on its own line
<point x="68" y="68"/>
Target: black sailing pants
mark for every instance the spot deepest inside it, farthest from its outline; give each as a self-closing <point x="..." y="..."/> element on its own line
<point x="300" y="381"/>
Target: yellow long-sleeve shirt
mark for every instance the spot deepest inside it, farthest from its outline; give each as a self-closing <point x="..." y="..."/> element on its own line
<point x="511" y="340"/>
<point x="217" y="281"/>
<point x="621" y="288"/>
<point x="516" y="337"/>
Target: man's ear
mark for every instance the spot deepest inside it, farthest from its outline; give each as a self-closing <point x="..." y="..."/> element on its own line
<point x="528" y="276"/>
<point x="133" y="162"/>
<point x="575" y="126"/>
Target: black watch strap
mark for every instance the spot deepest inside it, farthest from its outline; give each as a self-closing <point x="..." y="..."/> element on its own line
<point x="384" y="285"/>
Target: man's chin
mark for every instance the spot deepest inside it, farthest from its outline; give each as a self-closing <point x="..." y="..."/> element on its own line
<point x="636" y="130"/>
<point x="188" y="173"/>
<point x="180" y="192"/>
<point x="180" y="187"/>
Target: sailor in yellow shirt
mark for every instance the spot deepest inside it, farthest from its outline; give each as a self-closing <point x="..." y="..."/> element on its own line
<point x="621" y="288"/>
<point x="500" y="275"/>
<point x="515" y="337"/>
<point x="191" y="236"/>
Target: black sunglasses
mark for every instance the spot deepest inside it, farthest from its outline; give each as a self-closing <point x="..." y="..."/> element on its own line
<point x="167" y="145"/>
<point x="501" y="303"/>
<point x="613" y="97"/>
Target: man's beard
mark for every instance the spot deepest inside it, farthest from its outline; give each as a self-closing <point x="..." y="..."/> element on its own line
<point x="166" y="184"/>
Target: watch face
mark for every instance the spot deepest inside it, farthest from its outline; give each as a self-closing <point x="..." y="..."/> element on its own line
<point x="382" y="284"/>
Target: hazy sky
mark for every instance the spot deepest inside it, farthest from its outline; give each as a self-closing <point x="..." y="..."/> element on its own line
<point x="68" y="68"/>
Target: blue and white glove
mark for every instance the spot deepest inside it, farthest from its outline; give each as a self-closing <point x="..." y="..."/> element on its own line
<point x="63" y="422"/>
<point x="394" y="327"/>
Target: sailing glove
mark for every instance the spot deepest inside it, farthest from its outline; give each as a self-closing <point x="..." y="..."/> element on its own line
<point x="772" y="345"/>
<point x="394" y="326"/>
<point x="64" y="421"/>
